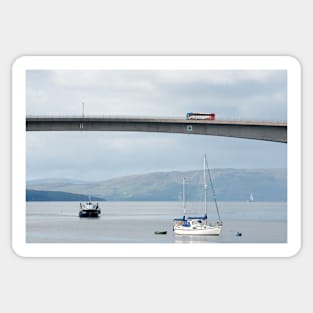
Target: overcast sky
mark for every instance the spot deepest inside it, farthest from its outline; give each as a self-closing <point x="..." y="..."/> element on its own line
<point x="247" y="95"/>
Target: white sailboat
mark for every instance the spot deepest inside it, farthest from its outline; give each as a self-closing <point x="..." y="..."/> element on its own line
<point x="251" y="197"/>
<point x="198" y="225"/>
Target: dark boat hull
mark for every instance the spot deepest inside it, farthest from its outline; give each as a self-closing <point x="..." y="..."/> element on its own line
<point x="89" y="213"/>
<point x="160" y="232"/>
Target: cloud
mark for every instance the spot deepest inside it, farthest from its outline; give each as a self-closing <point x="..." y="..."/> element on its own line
<point x="163" y="93"/>
<point x="215" y="77"/>
<point x="104" y="155"/>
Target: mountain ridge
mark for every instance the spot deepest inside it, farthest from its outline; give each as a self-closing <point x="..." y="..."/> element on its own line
<point x="45" y="195"/>
<point x="230" y="185"/>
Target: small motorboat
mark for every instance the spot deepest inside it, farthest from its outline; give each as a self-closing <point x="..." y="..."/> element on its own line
<point x="89" y="209"/>
<point x="160" y="232"/>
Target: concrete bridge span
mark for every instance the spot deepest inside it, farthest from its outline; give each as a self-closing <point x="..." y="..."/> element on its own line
<point x="269" y="131"/>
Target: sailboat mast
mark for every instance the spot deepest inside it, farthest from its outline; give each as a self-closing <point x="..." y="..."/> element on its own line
<point x="205" y="186"/>
<point x="184" y="203"/>
<point x="213" y="191"/>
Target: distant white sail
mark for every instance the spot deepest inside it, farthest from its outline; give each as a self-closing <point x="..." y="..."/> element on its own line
<point x="251" y="197"/>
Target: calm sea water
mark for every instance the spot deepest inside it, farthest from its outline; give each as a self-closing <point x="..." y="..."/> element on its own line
<point x="135" y="222"/>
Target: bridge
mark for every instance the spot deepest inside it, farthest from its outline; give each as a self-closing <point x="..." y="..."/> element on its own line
<point x="269" y="131"/>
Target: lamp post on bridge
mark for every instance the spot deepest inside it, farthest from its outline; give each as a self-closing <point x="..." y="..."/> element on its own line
<point x="81" y="125"/>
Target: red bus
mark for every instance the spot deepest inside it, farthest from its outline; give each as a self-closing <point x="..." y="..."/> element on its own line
<point x="200" y="116"/>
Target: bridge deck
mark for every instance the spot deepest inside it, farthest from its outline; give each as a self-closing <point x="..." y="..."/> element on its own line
<point x="271" y="131"/>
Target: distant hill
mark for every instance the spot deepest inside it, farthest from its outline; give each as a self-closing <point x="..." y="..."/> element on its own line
<point x="44" y="195"/>
<point x="229" y="184"/>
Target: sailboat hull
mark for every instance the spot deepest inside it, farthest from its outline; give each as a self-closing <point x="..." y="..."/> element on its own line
<point x="203" y="230"/>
